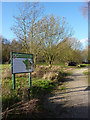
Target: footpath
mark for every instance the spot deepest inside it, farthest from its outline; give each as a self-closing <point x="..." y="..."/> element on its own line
<point x="71" y="102"/>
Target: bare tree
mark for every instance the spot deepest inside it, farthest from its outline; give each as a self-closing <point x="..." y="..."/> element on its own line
<point x="24" y="27"/>
<point x="24" y="24"/>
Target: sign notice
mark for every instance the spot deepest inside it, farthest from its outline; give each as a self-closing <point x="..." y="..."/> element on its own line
<point x="21" y="62"/>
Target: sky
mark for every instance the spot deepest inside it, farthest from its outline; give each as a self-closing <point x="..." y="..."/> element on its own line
<point x="69" y="10"/>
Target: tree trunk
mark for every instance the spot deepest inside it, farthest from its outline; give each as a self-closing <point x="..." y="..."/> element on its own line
<point x="50" y="64"/>
<point x="34" y="60"/>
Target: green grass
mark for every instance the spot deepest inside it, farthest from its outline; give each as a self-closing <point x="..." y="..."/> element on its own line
<point x="86" y="72"/>
<point x="54" y="64"/>
<point x="42" y="63"/>
<point x="83" y="65"/>
<point x="39" y="87"/>
<point x="62" y="87"/>
<point x="4" y="66"/>
<point x="22" y="91"/>
<point x="59" y="64"/>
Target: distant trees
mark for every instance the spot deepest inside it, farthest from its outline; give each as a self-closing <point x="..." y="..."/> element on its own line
<point x="0" y="49"/>
<point x="15" y="46"/>
<point x="85" y="54"/>
<point x="69" y="50"/>
<point x="7" y="47"/>
<point x="64" y="51"/>
<point x="89" y="53"/>
<point x="5" y="50"/>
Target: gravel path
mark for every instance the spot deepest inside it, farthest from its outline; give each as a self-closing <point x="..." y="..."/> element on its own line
<point x="71" y="102"/>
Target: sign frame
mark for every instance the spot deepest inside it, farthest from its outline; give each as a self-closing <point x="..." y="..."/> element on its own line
<point x="12" y="61"/>
<point x="13" y="74"/>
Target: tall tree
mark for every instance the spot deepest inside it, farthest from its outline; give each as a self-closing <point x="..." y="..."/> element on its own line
<point x="52" y="30"/>
<point x="24" y="27"/>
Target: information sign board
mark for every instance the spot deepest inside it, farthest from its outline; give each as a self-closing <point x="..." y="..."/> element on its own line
<point x="21" y="63"/>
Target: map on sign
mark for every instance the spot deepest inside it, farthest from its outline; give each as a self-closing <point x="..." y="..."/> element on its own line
<point x="21" y="63"/>
<point x="28" y="64"/>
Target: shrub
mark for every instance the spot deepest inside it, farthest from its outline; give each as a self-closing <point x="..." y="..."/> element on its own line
<point x="72" y="64"/>
<point x="62" y="87"/>
<point x="41" y="71"/>
<point x="42" y="87"/>
<point x="83" y="65"/>
<point x="50" y="76"/>
<point x="7" y="73"/>
<point x="34" y="74"/>
<point x="61" y="75"/>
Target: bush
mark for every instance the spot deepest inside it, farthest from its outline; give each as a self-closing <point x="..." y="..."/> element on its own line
<point x="40" y="71"/>
<point x="50" y="76"/>
<point x="72" y="64"/>
<point x="41" y="87"/>
<point x="83" y="65"/>
<point x="86" y="72"/>
<point x="61" y="75"/>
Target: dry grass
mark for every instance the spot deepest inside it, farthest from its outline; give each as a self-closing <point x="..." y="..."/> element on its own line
<point x="50" y="76"/>
<point x="6" y="73"/>
<point x="39" y="72"/>
<point x="22" y="109"/>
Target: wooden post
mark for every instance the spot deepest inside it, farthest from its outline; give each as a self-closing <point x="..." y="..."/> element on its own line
<point x="13" y="76"/>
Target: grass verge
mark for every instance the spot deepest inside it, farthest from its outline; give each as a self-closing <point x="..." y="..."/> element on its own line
<point x="39" y="87"/>
<point x="87" y="73"/>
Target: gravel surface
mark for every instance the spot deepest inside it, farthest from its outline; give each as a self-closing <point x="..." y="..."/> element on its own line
<point x="71" y="102"/>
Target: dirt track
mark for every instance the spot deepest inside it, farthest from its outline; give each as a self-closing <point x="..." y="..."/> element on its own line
<point x="71" y="102"/>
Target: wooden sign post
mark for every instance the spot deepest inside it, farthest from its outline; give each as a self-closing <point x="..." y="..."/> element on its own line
<point x="21" y="63"/>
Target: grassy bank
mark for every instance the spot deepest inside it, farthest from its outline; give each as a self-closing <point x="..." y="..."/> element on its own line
<point x="87" y="73"/>
<point x="44" y="81"/>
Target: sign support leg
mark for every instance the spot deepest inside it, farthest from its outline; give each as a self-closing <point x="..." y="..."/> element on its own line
<point x="13" y="76"/>
<point x="29" y="80"/>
